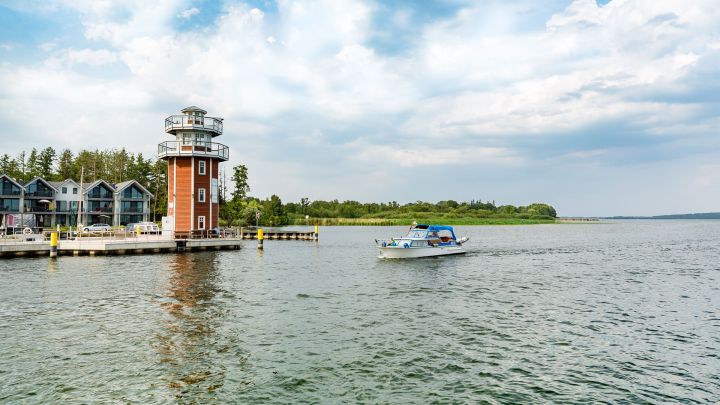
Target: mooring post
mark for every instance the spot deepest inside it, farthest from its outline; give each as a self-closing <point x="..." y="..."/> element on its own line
<point x="260" y="237"/>
<point x="53" y="245"/>
<point x="317" y="229"/>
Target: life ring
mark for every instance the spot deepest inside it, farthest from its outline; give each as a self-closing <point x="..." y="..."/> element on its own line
<point x="27" y="231"/>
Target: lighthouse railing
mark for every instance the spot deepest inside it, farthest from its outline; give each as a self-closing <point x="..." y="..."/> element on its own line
<point x="193" y="122"/>
<point x="193" y="148"/>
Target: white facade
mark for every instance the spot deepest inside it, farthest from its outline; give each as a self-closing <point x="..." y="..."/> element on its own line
<point x="67" y="202"/>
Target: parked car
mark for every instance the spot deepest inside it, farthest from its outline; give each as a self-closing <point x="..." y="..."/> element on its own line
<point x="145" y="227"/>
<point x="97" y="228"/>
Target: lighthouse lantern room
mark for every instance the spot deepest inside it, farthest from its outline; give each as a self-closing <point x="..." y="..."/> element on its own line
<point x="193" y="162"/>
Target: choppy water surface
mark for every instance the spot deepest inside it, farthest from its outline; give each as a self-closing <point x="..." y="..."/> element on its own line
<point x="622" y="312"/>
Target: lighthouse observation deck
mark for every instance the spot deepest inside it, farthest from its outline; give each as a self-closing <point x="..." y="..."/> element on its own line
<point x="193" y="122"/>
<point x="193" y="148"/>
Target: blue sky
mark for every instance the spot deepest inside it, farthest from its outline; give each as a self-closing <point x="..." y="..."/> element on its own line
<point x="599" y="108"/>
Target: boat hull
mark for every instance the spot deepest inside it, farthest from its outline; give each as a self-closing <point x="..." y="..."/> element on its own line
<point x="392" y="252"/>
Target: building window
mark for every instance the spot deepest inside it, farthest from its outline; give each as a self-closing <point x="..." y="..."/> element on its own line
<point x="186" y="138"/>
<point x="132" y="192"/>
<point x="64" y="190"/>
<point x="201" y="223"/>
<point x="201" y="168"/>
<point x="74" y="190"/>
<point x="201" y="195"/>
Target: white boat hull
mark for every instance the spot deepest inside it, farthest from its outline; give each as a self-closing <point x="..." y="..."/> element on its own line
<point x="397" y="252"/>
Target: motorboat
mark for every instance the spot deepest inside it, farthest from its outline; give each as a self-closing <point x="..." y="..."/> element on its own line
<point x="422" y="241"/>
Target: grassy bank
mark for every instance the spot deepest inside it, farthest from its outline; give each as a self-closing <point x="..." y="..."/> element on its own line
<point x="431" y="221"/>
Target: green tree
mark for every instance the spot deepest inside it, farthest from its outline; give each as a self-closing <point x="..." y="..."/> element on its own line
<point x="46" y="163"/>
<point x="274" y="212"/>
<point x="66" y="166"/>
<point x="22" y="167"/>
<point x="541" y="209"/>
<point x="240" y="178"/>
<point x="33" y="166"/>
<point x="159" y="186"/>
<point x="304" y="204"/>
<point x="9" y="166"/>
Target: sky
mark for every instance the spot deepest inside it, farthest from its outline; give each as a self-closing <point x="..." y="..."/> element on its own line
<point x="599" y="108"/>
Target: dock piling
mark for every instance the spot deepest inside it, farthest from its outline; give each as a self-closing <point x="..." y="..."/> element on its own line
<point x="260" y="238"/>
<point x="53" y="245"/>
<point x="315" y="236"/>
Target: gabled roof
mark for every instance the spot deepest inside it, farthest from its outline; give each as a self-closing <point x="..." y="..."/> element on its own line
<point x="125" y="184"/>
<point x="95" y="183"/>
<point x="60" y="183"/>
<point x="193" y="108"/>
<point x="12" y="181"/>
<point x="49" y="184"/>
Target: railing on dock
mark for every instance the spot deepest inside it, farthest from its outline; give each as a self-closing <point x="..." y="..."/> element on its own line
<point x="236" y="233"/>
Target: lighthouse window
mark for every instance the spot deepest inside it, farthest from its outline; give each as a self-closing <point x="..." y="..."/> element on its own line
<point x="200" y="139"/>
<point x="186" y="139"/>
<point x="201" y="195"/>
<point x="201" y="223"/>
<point x="201" y="168"/>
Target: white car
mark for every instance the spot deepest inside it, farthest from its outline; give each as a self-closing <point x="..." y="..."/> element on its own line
<point x="145" y="227"/>
<point x="97" y="228"/>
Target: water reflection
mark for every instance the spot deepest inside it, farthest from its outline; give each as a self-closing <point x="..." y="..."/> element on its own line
<point x="187" y="342"/>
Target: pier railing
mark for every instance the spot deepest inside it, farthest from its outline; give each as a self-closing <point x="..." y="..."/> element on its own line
<point x="119" y="235"/>
<point x="192" y="148"/>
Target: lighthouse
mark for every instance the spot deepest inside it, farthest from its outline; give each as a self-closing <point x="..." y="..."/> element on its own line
<point x="193" y="162"/>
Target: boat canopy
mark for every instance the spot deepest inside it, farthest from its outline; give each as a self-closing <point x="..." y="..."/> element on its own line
<point x="436" y="228"/>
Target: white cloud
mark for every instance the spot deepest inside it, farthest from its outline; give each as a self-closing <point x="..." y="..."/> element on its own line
<point x="472" y="88"/>
<point x="433" y="157"/>
<point x="91" y="57"/>
<point x="188" y="13"/>
<point x="7" y="46"/>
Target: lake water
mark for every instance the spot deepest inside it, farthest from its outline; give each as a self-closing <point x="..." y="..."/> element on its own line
<point x="616" y="312"/>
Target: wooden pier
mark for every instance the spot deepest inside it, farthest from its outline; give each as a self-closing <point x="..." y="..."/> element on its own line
<point x="122" y="243"/>
<point x="101" y="247"/>
<point x="278" y="234"/>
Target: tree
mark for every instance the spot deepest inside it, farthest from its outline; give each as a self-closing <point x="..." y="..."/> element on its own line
<point x="240" y="178"/>
<point x="33" y="165"/>
<point x="158" y="183"/>
<point x="22" y="166"/>
<point x="66" y="166"/>
<point x="46" y="163"/>
<point x="304" y="204"/>
<point x="542" y="209"/>
<point x="9" y="166"/>
<point x="274" y="212"/>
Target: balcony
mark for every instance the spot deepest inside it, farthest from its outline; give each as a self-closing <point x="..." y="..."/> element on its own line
<point x="99" y="209"/>
<point x="39" y="194"/>
<point x="175" y="122"/>
<point x="37" y="208"/>
<point x="200" y="149"/>
<point x="100" y="196"/>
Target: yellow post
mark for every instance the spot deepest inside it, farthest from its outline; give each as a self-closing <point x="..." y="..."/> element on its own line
<point x="260" y="237"/>
<point x="53" y="244"/>
<point x="138" y="230"/>
<point x="317" y="231"/>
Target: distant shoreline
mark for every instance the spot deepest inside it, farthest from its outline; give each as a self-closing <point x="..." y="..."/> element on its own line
<point x="430" y="221"/>
<point x="703" y="215"/>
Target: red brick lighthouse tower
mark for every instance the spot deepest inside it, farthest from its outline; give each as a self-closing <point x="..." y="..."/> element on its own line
<point x="193" y="163"/>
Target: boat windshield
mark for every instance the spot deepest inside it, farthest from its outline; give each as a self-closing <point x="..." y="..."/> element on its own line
<point x="414" y="233"/>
